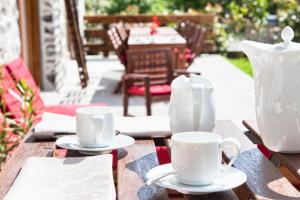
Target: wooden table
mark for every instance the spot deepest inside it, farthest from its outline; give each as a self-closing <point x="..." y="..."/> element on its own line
<point x="140" y="38"/>
<point x="264" y="180"/>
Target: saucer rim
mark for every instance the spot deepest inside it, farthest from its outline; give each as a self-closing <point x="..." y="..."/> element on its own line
<point x="172" y="186"/>
<point x="112" y="146"/>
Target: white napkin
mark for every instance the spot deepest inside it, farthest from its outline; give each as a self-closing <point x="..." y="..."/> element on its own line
<point x="148" y="126"/>
<point x="54" y="123"/>
<point x="45" y="178"/>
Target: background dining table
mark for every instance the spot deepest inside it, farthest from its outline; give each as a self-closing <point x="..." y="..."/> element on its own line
<point x="165" y="37"/>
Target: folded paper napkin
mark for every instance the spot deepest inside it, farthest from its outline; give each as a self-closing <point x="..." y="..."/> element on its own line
<point x="52" y="125"/>
<point x="44" y="178"/>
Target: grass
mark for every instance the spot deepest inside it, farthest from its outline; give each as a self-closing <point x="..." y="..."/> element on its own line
<point x="243" y="64"/>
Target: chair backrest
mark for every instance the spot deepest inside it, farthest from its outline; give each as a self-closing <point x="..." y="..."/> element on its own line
<point x="157" y="63"/>
<point x="122" y="32"/>
<point x="72" y="17"/>
<point x="191" y="37"/>
<point x="197" y="46"/>
<point x="118" y="44"/>
<point x="183" y="28"/>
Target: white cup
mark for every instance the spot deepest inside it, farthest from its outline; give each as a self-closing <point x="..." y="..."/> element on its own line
<point x="197" y="156"/>
<point x="95" y="126"/>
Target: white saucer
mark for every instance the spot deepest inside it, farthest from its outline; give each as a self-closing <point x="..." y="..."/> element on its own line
<point x="71" y="142"/>
<point x="232" y="179"/>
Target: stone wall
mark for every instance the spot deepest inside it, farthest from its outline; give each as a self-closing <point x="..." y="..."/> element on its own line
<point x="54" y="50"/>
<point x="9" y="31"/>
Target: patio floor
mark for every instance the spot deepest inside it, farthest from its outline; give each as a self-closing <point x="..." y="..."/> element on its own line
<point x="234" y="90"/>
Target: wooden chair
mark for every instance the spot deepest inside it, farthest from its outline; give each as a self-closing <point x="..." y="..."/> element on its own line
<point x="119" y="46"/>
<point x="122" y="33"/>
<point x="149" y="74"/>
<point x="77" y="43"/>
<point x="183" y="28"/>
<point x="195" y="45"/>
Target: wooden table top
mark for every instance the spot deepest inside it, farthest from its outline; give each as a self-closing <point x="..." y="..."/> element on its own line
<point x="164" y="36"/>
<point x="264" y="180"/>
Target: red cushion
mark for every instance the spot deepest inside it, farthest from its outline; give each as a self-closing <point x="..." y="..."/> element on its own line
<point x="163" y="155"/>
<point x="62" y="109"/>
<point x="188" y="57"/>
<point x="264" y="150"/>
<point x="19" y="71"/>
<point x="68" y="109"/>
<point x="187" y="50"/>
<point x="154" y="90"/>
<point x="123" y="59"/>
<point x="11" y="96"/>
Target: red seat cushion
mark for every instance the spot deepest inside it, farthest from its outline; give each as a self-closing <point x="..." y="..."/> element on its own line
<point x="188" y="57"/>
<point x="154" y="90"/>
<point x="163" y="155"/>
<point x="123" y="59"/>
<point x="187" y="50"/>
<point x="11" y="96"/>
<point x="19" y="71"/>
<point x="63" y="110"/>
<point x="264" y="150"/>
<point x="68" y="109"/>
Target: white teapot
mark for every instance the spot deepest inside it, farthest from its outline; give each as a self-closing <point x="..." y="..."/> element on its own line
<point x="277" y="88"/>
<point x="191" y="104"/>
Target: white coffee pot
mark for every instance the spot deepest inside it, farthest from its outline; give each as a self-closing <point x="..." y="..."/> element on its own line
<point x="191" y="104"/>
<point x="277" y="87"/>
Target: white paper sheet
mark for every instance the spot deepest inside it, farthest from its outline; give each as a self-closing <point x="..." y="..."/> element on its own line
<point x="44" y="178"/>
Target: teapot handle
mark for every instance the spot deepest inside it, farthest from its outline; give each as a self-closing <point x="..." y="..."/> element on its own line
<point x="198" y="107"/>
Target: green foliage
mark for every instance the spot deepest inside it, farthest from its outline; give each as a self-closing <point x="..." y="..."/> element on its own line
<point x="243" y="64"/>
<point x="235" y="18"/>
<point x="13" y="130"/>
<point x="96" y="6"/>
<point x="288" y="12"/>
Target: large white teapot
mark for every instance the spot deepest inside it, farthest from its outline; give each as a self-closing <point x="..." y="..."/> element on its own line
<point x="277" y="88"/>
<point x="191" y="104"/>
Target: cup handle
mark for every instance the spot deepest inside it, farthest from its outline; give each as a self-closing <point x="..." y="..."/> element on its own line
<point x="237" y="146"/>
<point x="98" y="123"/>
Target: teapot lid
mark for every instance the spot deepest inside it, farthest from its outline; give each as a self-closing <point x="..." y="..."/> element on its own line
<point x="287" y="35"/>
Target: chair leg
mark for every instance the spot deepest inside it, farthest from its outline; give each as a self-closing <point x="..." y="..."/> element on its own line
<point x="125" y="99"/>
<point x="125" y="104"/>
<point x="148" y="105"/>
<point x="148" y="97"/>
<point x="118" y="88"/>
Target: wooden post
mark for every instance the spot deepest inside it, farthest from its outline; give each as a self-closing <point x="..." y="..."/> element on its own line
<point x="30" y="36"/>
<point x="106" y="41"/>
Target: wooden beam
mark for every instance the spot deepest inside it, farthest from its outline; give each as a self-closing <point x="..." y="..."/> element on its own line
<point x="30" y="36"/>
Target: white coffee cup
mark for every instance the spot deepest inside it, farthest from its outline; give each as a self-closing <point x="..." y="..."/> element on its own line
<point x="95" y="126"/>
<point x="197" y="156"/>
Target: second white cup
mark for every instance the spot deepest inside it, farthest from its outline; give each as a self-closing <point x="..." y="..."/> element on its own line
<point x="95" y="126"/>
<point x="197" y="156"/>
